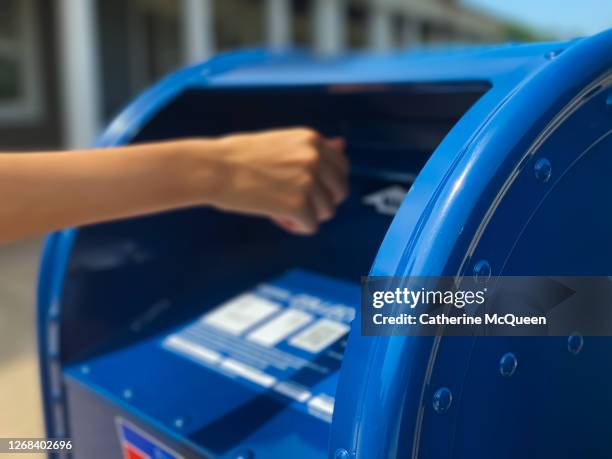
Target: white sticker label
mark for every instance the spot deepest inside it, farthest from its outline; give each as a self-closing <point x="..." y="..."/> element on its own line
<point x="322" y="406"/>
<point x="197" y="351"/>
<point x="319" y="335"/>
<point x="386" y="201"/>
<point x="240" y="313"/>
<point x="279" y="328"/>
<point x="248" y="372"/>
<point x="293" y="391"/>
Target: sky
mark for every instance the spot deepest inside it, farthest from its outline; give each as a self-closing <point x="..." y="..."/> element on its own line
<point x="559" y="18"/>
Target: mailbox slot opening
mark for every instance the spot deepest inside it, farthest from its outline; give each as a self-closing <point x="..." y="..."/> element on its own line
<point x="131" y="282"/>
<point x="200" y="257"/>
<point x="390" y="129"/>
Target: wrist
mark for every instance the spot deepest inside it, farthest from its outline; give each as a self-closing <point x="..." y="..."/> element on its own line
<point x="201" y="172"/>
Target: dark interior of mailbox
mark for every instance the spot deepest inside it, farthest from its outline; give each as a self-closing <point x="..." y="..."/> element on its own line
<point x="135" y="280"/>
<point x="390" y="130"/>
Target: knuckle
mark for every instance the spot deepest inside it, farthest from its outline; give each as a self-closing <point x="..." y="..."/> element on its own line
<point x="306" y="183"/>
<point x="312" y="159"/>
<point x="300" y="202"/>
<point x="309" y="226"/>
<point x="339" y="196"/>
<point x="309" y="134"/>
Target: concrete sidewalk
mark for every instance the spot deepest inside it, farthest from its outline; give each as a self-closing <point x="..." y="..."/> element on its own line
<point x="20" y="409"/>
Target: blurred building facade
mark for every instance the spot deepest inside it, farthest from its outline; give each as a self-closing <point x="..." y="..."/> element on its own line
<point x="66" y="66"/>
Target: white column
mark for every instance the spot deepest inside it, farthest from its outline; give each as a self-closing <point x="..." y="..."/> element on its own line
<point x="278" y="23"/>
<point x="380" y="31"/>
<point x="329" y="26"/>
<point x="198" y="30"/>
<point x="80" y="74"/>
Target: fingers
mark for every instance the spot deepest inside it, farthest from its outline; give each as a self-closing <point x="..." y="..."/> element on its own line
<point x="334" y="169"/>
<point x="332" y="150"/>
<point x="286" y="224"/>
<point x="327" y="189"/>
<point x="321" y="182"/>
<point x="334" y="180"/>
<point x="303" y="223"/>
<point x="323" y="201"/>
<point x="294" y="176"/>
<point x="306" y="222"/>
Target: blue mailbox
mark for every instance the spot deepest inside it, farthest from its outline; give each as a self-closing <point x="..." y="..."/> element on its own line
<point x="212" y="335"/>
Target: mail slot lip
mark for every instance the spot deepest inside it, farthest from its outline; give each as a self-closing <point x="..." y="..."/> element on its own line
<point x="490" y="156"/>
<point x="240" y="68"/>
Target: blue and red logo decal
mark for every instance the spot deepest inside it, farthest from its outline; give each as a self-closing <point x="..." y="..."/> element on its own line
<point x="137" y="444"/>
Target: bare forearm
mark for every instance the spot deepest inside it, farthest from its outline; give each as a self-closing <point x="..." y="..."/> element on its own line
<point x="293" y="176"/>
<point x="48" y="191"/>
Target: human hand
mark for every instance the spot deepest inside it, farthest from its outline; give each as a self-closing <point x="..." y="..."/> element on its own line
<point x="294" y="176"/>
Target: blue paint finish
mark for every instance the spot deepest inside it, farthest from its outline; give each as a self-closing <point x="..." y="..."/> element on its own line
<point x="433" y="234"/>
<point x="51" y="276"/>
<point x="476" y="198"/>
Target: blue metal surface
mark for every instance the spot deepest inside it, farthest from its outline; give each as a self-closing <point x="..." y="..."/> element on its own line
<point x="480" y="196"/>
<point x="211" y="413"/>
<point x="455" y="194"/>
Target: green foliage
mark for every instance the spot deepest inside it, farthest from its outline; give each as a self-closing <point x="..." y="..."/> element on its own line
<point x="518" y="32"/>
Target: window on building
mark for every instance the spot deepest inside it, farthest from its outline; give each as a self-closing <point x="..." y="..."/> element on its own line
<point x="357" y="26"/>
<point x="239" y="23"/>
<point x="429" y="35"/>
<point x="302" y="22"/>
<point x="20" y="98"/>
<point x="436" y="32"/>
<point x="154" y="41"/>
<point x="398" y="23"/>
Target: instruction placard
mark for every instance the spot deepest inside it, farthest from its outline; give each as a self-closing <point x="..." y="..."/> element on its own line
<point x="286" y="337"/>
